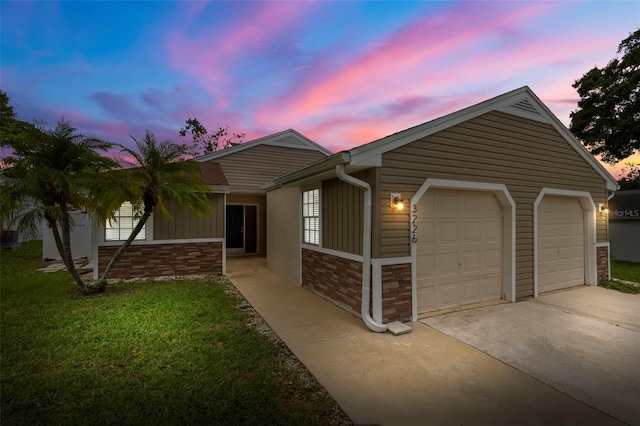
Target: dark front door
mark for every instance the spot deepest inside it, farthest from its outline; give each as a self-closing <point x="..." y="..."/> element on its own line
<point x="250" y="229"/>
<point x="235" y="226"/>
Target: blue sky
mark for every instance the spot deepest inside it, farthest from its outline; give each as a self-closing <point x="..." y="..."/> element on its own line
<point x="341" y="72"/>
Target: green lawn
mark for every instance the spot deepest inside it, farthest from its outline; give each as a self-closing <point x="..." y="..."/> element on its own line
<point x="628" y="271"/>
<point x="621" y="272"/>
<point x="173" y="352"/>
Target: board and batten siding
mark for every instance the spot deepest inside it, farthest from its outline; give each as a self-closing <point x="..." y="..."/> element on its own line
<point x="185" y="224"/>
<point x="343" y="212"/>
<point x="496" y="147"/>
<point x="248" y="170"/>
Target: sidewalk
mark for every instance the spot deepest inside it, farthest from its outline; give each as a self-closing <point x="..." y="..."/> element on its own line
<point x="424" y="377"/>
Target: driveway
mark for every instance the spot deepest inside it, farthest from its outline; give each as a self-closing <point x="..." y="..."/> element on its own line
<point x="584" y="342"/>
<point x="425" y="377"/>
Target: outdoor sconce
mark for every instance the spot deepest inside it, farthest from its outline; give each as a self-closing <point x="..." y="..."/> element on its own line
<point x="396" y="201"/>
<point x="602" y="209"/>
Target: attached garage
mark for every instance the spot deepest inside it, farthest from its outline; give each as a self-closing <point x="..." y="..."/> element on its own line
<point x="496" y="201"/>
<point x="459" y="254"/>
<point x="560" y="243"/>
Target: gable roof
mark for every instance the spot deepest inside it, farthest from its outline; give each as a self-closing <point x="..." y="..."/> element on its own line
<point x="287" y="138"/>
<point x="521" y="102"/>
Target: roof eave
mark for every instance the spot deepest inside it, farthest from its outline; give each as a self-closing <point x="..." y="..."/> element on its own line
<point x="312" y="172"/>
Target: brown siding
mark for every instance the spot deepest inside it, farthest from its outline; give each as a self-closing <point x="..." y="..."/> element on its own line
<point x="525" y="155"/>
<point x="261" y="201"/>
<point x="185" y="224"/>
<point x="249" y="169"/>
<point x="148" y="260"/>
<point x="343" y="213"/>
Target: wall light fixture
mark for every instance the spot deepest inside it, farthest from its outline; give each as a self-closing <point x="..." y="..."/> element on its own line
<point x="602" y="209"/>
<point x="396" y="201"/>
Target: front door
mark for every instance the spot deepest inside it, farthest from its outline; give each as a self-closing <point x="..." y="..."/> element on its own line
<point x="235" y="227"/>
<point x="250" y="229"/>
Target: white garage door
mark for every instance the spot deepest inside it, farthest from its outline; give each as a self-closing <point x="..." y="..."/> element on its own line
<point x="560" y="243"/>
<point x="459" y="253"/>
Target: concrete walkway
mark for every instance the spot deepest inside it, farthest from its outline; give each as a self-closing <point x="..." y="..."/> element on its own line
<point x="422" y="378"/>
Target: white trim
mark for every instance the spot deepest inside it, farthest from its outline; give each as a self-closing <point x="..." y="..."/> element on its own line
<point x="302" y="216"/>
<point x="371" y="154"/>
<point x="376" y="266"/>
<point x="608" y="246"/>
<point x="177" y="241"/>
<point x="589" y="220"/>
<point x="508" y="233"/>
<point x="348" y="256"/>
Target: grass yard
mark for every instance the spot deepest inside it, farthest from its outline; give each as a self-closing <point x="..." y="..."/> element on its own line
<point x="166" y="352"/>
<point x="628" y="271"/>
<point x="625" y="271"/>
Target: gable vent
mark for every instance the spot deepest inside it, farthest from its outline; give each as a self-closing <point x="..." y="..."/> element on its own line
<point x="525" y="105"/>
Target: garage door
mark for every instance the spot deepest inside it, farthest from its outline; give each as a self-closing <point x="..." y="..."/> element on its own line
<point x="560" y="243"/>
<point x="459" y="253"/>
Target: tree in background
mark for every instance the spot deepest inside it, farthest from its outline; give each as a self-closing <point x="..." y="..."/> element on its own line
<point x="630" y="178"/>
<point x="49" y="173"/>
<point x="204" y="141"/>
<point x="159" y="173"/>
<point x="10" y="127"/>
<point x="607" y="120"/>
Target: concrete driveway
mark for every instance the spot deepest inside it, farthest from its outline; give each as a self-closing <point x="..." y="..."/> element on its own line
<point x="584" y="342"/>
<point x="424" y="378"/>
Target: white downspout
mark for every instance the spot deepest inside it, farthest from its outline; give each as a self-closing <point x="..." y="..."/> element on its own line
<point x="366" y="250"/>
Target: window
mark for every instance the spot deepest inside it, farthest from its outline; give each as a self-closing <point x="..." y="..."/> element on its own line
<point x="311" y="216"/>
<point x="120" y="228"/>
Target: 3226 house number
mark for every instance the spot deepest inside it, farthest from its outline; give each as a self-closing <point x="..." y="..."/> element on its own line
<point x="414" y="223"/>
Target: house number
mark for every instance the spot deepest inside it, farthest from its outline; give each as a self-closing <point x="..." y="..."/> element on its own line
<point x="414" y="223"/>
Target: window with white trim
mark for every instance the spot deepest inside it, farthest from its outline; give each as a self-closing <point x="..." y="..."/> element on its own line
<point x="120" y="228"/>
<point x="311" y="216"/>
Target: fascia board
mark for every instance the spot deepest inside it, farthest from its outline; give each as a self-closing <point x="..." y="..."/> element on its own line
<point x="219" y="189"/>
<point x="306" y="143"/>
<point x="371" y="153"/>
<point x="313" y="171"/>
<point x="366" y="154"/>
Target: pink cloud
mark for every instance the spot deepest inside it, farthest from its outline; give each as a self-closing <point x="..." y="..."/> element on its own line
<point x="212" y="55"/>
<point x="401" y="64"/>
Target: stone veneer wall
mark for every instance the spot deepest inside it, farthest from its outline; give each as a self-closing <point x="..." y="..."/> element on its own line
<point x="602" y="258"/>
<point x="396" y="292"/>
<point x="146" y="260"/>
<point x="333" y="278"/>
<point x="339" y="281"/>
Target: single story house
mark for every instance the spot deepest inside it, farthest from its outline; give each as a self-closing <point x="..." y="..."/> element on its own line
<point x="189" y="244"/>
<point x="624" y="225"/>
<point x="495" y="201"/>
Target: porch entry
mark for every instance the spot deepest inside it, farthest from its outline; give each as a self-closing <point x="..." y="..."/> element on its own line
<point x="242" y="229"/>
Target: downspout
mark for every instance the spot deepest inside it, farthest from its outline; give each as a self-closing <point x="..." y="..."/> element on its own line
<point x="366" y="250"/>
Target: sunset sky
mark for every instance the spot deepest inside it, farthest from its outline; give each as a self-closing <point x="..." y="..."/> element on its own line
<point x="342" y="73"/>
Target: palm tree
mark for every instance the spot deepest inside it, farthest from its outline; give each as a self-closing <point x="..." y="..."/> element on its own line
<point x="50" y="173"/>
<point x="159" y="173"/>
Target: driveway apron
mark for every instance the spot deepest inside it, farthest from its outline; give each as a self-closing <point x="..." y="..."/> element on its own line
<point x="424" y="378"/>
<point x="584" y="342"/>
